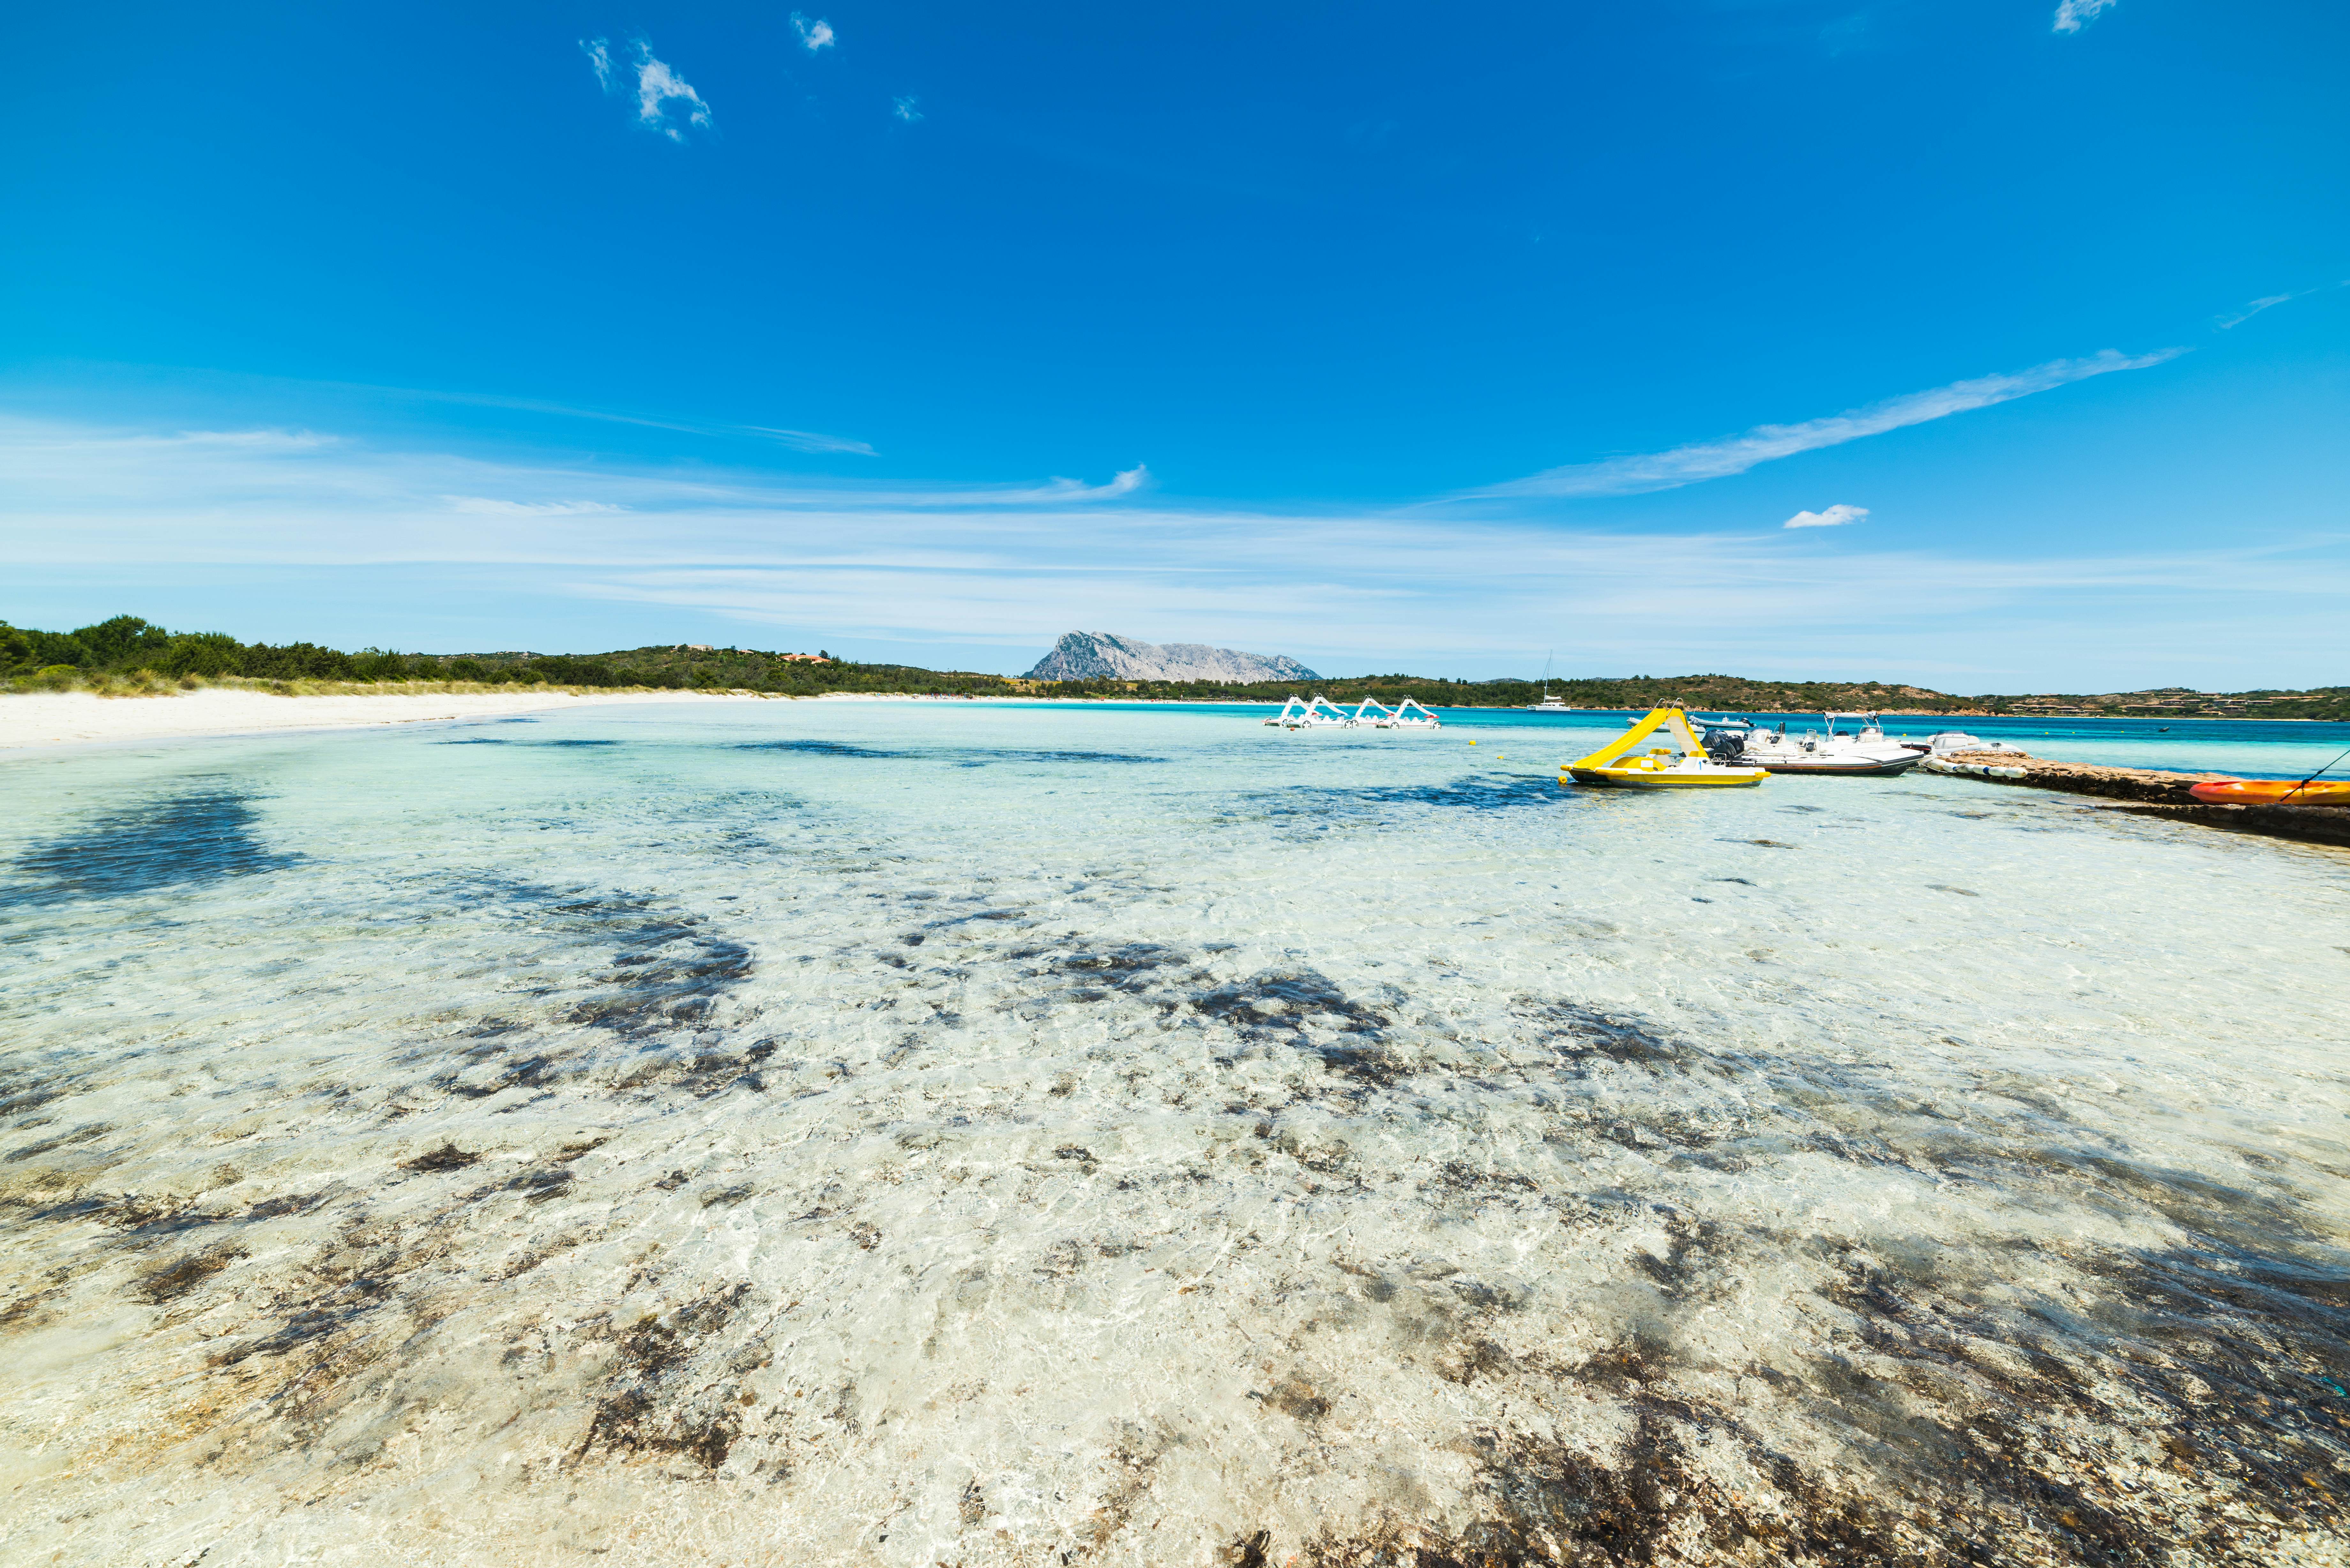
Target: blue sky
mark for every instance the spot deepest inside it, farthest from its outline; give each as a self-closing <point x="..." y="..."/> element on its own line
<point x="1996" y="346"/>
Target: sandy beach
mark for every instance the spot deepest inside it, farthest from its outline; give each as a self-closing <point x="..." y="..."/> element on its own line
<point x="77" y="718"/>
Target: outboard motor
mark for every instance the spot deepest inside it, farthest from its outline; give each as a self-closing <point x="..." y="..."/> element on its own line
<point x="1725" y="745"/>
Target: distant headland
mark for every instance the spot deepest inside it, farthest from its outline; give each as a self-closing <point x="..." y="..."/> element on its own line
<point x="1105" y="656"/>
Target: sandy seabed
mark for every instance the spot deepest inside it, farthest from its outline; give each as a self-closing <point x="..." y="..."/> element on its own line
<point x="77" y="717"/>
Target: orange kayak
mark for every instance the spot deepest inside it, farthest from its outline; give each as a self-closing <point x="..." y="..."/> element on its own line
<point x="2270" y="792"/>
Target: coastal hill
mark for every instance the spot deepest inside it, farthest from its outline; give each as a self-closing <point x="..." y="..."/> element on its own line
<point x="126" y="655"/>
<point x="1105" y="656"/>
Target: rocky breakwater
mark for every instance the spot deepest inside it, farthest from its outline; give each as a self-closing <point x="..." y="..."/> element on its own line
<point x="2148" y="791"/>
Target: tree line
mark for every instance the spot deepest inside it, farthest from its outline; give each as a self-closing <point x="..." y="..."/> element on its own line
<point x="126" y="646"/>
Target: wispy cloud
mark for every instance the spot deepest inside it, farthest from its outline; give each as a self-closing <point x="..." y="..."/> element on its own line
<point x="814" y="36"/>
<point x="905" y="109"/>
<point x="1013" y="567"/>
<point x="493" y="506"/>
<point x="657" y="88"/>
<point x="2239" y="317"/>
<point x="1764" y="444"/>
<point x="2071" y="16"/>
<point x="797" y="441"/>
<point x="807" y="440"/>
<point x="1835" y="516"/>
<point x="599" y="56"/>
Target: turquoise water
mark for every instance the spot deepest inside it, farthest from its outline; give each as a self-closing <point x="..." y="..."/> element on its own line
<point x="939" y="1132"/>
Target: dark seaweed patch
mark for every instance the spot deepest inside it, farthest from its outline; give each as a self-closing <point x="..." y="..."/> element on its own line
<point x="2228" y="1363"/>
<point x="655" y="1358"/>
<point x="1283" y="1006"/>
<point x="1544" y="1502"/>
<point x="538" y="1186"/>
<point x="1283" y="1001"/>
<point x="817" y="748"/>
<point x="189" y="839"/>
<point x="534" y="1072"/>
<point x="961" y="756"/>
<point x="1131" y="968"/>
<point x="1475" y="793"/>
<point x="1247" y="1550"/>
<point x="1011" y="757"/>
<point x="705" y="1072"/>
<point x="448" y="1156"/>
<point x="665" y="973"/>
<point x="1296" y="1398"/>
<point x="89" y="1134"/>
<point x="1578" y="1033"/>
<point x="178" y="1278"/>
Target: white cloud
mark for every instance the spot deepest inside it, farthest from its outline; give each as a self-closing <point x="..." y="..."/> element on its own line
<point x="2071" y="16"/>
<point x="1013" y="567"/>
<point x="657" y="88"/>
<point x="599" y="54"/>
<point x="809" y="440"/>
<point x="1126" y="482"/>
<point x="2255" y="308"/>
<point x="904" y="109"/>
<point x="1834" y="517"/>
<point x="490" y="506"/>
<point x="2225" y="322"/>
<point x="1763" y="443"/>
<point x="798" y="441"/>
<point x="814" y="36"/>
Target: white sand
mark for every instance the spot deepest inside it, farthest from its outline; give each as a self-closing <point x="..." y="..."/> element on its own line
<point x="77" y="718"/>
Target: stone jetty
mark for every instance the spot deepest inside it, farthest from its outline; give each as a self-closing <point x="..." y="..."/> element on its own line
<point x="2146" y="791"/>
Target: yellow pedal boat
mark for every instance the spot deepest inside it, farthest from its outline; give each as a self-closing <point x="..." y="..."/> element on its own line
<point x="1660" y="767"/>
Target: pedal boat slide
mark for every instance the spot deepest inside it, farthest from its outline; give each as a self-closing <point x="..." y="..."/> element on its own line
<point x="1660" y="767"/>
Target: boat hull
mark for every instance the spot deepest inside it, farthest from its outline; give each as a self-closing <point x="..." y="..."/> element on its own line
<point x="1643" y="778"/>
<point x="1864" y="767"/>
<point x="2272" y="792"/>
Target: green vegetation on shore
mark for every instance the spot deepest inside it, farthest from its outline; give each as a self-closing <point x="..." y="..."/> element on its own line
<point x="126" y="656"/>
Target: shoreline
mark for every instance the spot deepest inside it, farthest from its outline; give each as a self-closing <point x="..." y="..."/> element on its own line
<point x="42" y="720"/>
<point x="39" y="721"/>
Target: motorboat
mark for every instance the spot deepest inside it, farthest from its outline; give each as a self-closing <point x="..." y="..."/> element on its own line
<point x="1688" y="766"/>
<point x="1942" y="742"/>
<point x="1861" y="750"/>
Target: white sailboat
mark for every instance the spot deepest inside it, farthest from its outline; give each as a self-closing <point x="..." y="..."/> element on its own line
<point x="1549" y="704"/>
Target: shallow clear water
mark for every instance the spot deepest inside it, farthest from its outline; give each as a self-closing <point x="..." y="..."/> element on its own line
<point x="956" y="1133"/>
